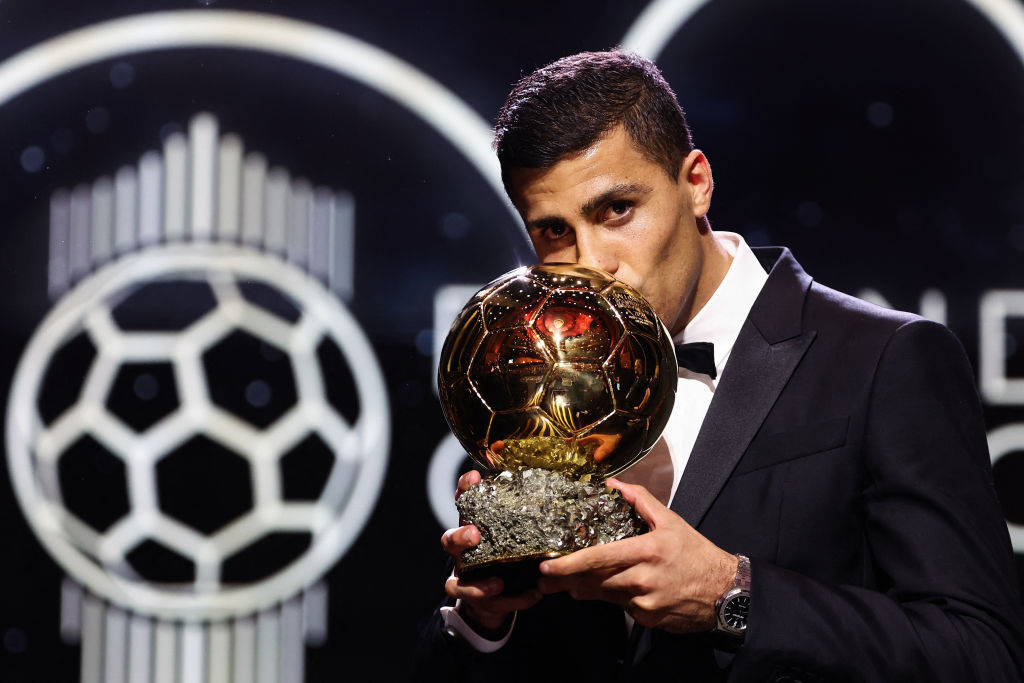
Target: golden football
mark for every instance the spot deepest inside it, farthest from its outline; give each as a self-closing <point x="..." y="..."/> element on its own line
<point x="557" y="366"/>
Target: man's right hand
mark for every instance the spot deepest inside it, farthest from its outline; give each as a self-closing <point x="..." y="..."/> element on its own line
<point x="483" y="606"/>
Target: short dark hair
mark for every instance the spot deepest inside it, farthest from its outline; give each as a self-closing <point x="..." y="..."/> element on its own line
<point x="565" y="107"/>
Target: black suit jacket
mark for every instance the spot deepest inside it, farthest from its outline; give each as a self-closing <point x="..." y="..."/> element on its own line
<point x="845" y="453"/>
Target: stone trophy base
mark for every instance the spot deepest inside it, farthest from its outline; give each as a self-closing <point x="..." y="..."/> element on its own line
<point x="529" y="515"/>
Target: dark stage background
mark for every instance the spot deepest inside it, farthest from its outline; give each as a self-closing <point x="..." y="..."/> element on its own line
<point x="881" y="140"/>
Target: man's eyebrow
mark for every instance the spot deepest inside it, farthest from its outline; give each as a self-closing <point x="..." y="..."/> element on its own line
<point x="612" y="193"/>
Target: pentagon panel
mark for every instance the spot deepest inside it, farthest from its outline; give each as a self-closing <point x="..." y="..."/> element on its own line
<point x="204" y="485"/>
<point x="513" y="303"/>
<point x="618" y="441"/>
<point x="460" y="345"/>
<point x="577" y="396"/>
<point x="578" y="327"/>
<point x="634" y="310"/>
<point x="570" y="276"/>
<point x="639" y="375"/>
<point x="509" y="368"/>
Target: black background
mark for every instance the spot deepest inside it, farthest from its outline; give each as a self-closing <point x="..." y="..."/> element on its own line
<point x="883" y="141"/>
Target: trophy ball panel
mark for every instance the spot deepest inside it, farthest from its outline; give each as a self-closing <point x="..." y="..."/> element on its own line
<point x="577" y="396"/>
<point x="513" y="304"/>
<point x="578" y="327"/>
<point x="635" y="311"/>
<point x="570" y="276"/>
<point x="460" y="345"/>
<point x="467" y="415"/>
<point x="636" y="374"/>
<point x="619" y="441"/>
<point x="509" y="368"/>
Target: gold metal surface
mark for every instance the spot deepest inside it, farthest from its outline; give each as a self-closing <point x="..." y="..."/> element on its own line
<point x="557" y="366"/>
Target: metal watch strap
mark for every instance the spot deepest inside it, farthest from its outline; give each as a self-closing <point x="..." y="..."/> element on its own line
<point x="740" y="591"/>
<point x="742" y="579"/>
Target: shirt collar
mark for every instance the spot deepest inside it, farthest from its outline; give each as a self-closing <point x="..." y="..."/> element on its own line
<point x="720" y="319"/>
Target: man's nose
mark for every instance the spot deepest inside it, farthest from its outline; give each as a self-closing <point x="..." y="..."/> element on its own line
<point x="593" y="252"/>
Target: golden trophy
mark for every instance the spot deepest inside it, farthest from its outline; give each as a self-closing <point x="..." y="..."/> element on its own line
<point x="553" y="377"/>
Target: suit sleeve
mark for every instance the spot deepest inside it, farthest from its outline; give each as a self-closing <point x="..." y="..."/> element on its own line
<point x="944" y="605"/>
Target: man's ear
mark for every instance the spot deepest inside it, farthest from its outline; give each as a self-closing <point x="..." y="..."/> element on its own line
<point x="695" y="178"/>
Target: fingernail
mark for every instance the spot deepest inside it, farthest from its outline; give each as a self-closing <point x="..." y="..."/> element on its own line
<point x="544" y="568"/>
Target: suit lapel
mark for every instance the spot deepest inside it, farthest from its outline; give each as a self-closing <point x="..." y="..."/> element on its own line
<point x="767" y="351"/>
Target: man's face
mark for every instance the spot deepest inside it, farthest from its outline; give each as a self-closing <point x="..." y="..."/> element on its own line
<point x="611" y="208"/>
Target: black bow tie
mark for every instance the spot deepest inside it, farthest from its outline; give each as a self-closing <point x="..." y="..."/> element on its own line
<point x="698" y="357"/>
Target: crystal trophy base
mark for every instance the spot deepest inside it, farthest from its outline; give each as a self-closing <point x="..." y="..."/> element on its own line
<point x="528" y="515"/>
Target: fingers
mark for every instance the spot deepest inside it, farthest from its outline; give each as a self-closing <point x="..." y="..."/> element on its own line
<point x="458" y="540"/>
<point x="646" y="505"/>
<point x="597" y="558"/>
<point x="595" y="586"/>
<point x="484" y="601"/>
<point x="476" y="590"/>
<point x="465" y="481"/>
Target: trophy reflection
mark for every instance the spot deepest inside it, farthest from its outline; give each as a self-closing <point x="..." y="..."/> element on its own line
<point x="553" y="377"/>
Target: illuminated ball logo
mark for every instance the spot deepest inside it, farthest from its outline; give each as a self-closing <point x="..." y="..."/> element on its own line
<point x="198" y="433"/>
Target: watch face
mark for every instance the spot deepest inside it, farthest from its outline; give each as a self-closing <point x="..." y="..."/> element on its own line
<point x="735" y="610"/>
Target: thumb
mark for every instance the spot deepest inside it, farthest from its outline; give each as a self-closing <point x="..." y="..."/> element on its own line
<point x="646" y="505"/>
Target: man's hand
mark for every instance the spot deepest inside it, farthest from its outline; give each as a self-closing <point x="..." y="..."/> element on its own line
<point x="668" y="578"/>
<point x="483" y="606"/>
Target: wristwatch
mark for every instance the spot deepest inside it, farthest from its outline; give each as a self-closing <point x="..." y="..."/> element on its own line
<point x="732" y="608"/>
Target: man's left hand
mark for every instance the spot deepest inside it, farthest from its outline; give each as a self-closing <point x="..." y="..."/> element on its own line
<point x="668" y="578"/>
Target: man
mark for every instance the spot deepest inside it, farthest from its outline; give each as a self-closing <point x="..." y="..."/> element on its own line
<point x="831" y="464"/>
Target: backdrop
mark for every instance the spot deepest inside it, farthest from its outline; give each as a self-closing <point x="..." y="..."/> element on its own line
<point x="234" y="233"/>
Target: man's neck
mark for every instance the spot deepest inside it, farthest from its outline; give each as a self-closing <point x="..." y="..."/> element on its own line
<point x="716" y="262"/>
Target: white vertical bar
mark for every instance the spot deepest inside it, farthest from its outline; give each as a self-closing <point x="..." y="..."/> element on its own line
<point x="140" y="650"/>
<point x="115" y="651"/>
<point x="175" y="187"/>
<point x="314" y="614"/>
<point x="254" y="177"/>
<point x="293" y="654"/>
<point x="165" y="655"/>
<point x="102" y="232"/>
<point x="299" y="216"/>
<point x="79" y="242"/>
<point x="92" y="639"/>
<point x="193" y="653"/>
<point x="151" y="198"/>
<point x="59" y="275"/>
<point x="276" y="212"/>
<point x="70" y="611"/>
<point x="244" y="669"/>
<point x="341" y="275"/>
<point x="268" y="646"/>
<point x="229" y="187"/>
<point x="203" y="157"/>
<point x="319" y="238"/>
<point x="219" y="660"/>
<point x="126" y="204"/>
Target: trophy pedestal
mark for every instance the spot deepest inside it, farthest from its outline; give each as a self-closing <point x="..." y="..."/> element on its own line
<point x="529" y="515"/>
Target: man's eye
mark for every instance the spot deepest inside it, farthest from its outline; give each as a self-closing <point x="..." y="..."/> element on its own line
<point x="556" y="231"/>
<point x="617" y="209"/>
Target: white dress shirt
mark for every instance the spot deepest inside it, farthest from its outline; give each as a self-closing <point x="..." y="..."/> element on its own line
<point x="718" y="322"/>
